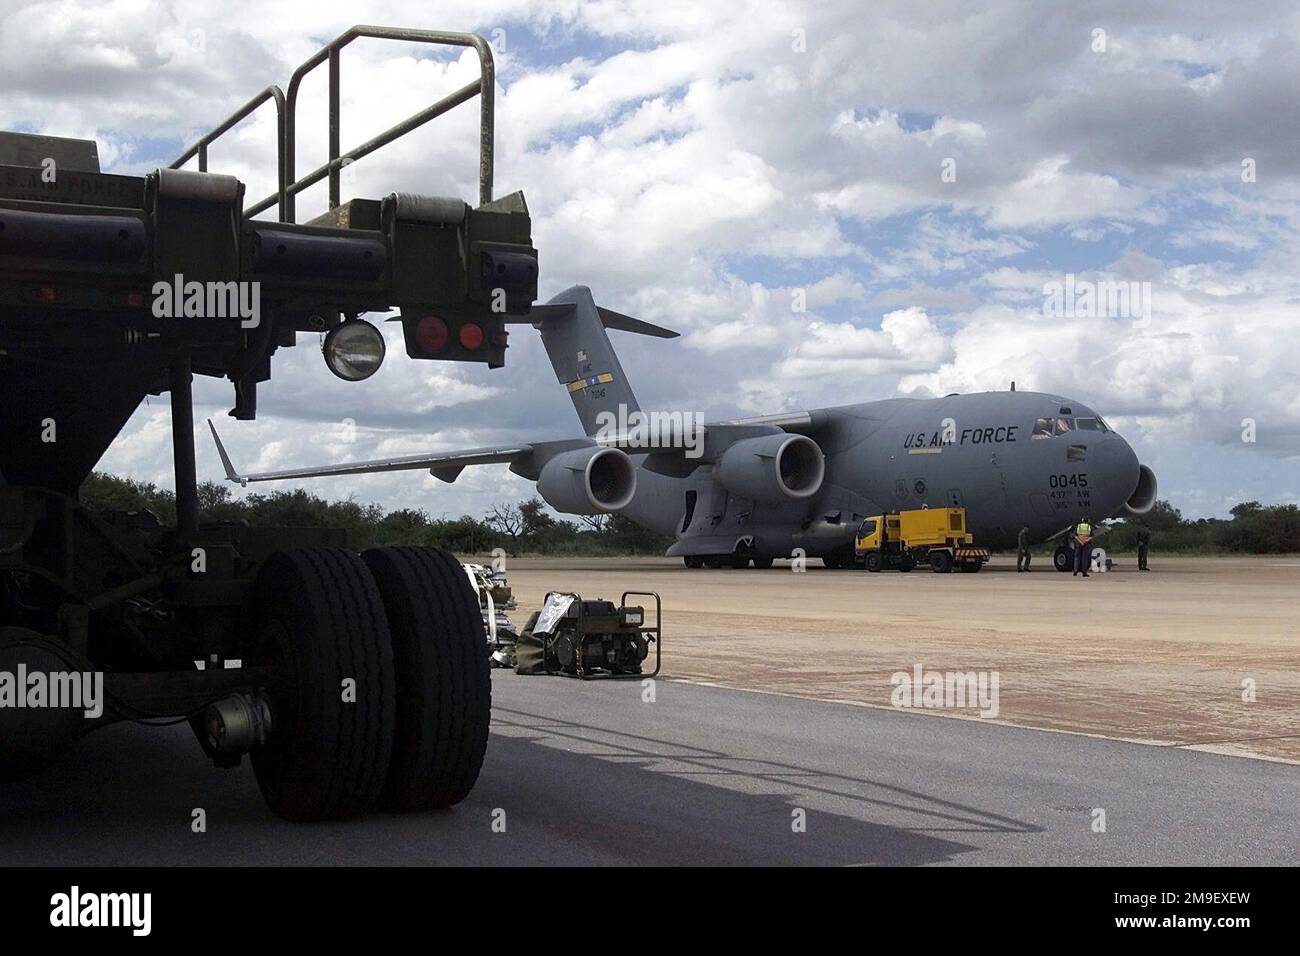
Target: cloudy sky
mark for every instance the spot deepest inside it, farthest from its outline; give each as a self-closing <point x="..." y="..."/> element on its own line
<point x="917" y="172"/>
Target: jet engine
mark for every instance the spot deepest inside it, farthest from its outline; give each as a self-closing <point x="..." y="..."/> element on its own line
<point x="588" y="481"/>
<point x="1143" y="498"/>
<point x="772" y="468"/>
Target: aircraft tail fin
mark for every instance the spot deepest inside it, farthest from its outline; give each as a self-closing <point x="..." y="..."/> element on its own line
<point x="573" y="332"/>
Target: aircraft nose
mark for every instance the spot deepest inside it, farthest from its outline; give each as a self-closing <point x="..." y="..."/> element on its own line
<point x="1119" y="472"/>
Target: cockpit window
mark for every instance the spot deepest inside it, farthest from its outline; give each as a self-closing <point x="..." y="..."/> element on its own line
<point x="1049" y="427"/>
<point x="867" y="527"/>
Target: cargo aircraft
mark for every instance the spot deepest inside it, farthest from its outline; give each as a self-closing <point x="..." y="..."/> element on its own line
<point x="748" y="491"/>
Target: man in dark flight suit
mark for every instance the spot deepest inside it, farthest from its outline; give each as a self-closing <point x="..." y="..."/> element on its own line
<point x="1144" y="544"/>
<point x="1022" y="549"/>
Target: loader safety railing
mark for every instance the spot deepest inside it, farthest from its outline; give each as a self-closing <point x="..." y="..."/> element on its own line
<point x="286" y="108"/>
<point x="200" y="149"/>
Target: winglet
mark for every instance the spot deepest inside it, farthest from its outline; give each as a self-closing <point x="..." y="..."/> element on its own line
<point x="231" y="474"/>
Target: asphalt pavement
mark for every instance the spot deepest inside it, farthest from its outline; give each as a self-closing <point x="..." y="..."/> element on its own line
<point x="598" y="773"/>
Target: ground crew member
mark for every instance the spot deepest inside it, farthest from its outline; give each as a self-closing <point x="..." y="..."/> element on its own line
<point x="1082" y="547"/>
<point x="1144" y="544"/>
<point x="1022" y="549"/>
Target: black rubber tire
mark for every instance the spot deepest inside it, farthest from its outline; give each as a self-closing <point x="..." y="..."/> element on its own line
<point x="940" y="562"/>
<point x="33" y="739"/>
<point x="763" y="564"/>
<point x="444" y="684"/>
<point x="871" y="561"/>
<point x="713" y="560"/>
<point x="1063" y="559"/>
<point x="738" y="561"/>
<point x="907" y="563"/>
<point x="319" y="614"/>
<point x="693" y="561"/>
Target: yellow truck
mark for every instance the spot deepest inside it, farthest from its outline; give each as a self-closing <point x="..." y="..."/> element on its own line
<point x="906" y="538"/>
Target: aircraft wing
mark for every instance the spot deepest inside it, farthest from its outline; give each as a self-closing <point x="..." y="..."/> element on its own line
<point x="801" y="422"/>
<point x="443" y="465"/>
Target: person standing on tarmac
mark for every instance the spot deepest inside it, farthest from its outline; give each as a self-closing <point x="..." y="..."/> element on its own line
<point x="1022" y="549"/>
<point x="1144" y="544"/>
<point x="1082" y="547"/>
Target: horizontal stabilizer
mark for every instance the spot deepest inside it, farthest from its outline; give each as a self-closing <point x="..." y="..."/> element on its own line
<point x="625" y="323"/>
<point x="608" y="318"/>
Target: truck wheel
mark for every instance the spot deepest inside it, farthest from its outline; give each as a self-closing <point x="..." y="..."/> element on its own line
<point x="871" y="561"/>
<point x="33" y="738"/>
<point x="444" y="687"/>
<point x="940" y="562"/>
<point x="319" y="615"/>
<point x="1063" y="559"/>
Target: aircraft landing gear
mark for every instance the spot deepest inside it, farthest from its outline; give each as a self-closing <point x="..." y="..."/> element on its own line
<point x="1063" y="558"/>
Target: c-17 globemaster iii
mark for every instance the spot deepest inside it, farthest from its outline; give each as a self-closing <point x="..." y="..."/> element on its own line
<point x="756" y="489"/>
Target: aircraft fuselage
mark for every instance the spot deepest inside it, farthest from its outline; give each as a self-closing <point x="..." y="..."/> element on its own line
<point x="1010" y="458"/>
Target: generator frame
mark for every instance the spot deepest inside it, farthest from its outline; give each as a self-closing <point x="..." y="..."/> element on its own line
<point x="653" y="636"/>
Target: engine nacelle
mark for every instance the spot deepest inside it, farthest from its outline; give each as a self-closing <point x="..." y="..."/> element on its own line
<point x="588" y="481"/>
<point x="772" y="468"/>
<point x="1143" y="498"/>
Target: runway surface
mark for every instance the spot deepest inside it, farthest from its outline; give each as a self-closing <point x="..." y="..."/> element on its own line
<point x="592" y="773"/>
<point x="1201" y="652"/>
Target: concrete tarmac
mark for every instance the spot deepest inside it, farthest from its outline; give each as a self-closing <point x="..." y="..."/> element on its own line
<point x="1199" y="653"/>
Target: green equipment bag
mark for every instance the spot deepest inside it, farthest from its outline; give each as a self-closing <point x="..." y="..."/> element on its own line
<point x="529" y="650"/>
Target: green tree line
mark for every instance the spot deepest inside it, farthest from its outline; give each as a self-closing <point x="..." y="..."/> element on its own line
<point x="523" y="527"/>
<point x="526" y="526"/>
<point x="1252" y="528"/>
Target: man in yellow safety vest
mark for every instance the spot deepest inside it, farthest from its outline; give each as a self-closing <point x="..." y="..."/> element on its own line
<point x="1082" y="547"/>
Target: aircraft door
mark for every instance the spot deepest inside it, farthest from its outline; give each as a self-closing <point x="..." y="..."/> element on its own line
<point x="691" y="497"/>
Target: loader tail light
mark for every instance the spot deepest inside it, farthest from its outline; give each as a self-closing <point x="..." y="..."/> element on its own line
<point x="471" y="336"/>
<point x="431" y="334"/>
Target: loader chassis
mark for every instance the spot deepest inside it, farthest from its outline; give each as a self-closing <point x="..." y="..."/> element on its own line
<point x="351" y="679"/>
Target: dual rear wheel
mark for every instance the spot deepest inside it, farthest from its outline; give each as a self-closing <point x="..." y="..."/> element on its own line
<point x="385" y="694"/>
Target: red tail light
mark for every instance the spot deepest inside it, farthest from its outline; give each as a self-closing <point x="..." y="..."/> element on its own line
<point x="431" y="334"/>
<point x="471" y="336"/>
